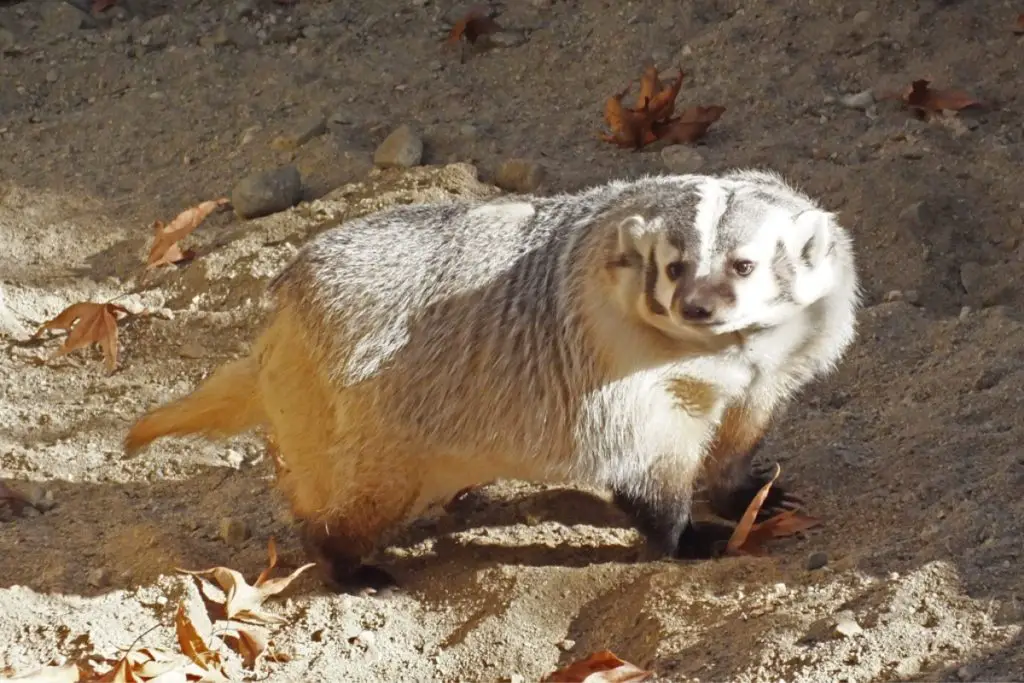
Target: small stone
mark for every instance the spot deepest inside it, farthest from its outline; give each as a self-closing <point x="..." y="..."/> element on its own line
<point x="970" y="276"/>
<point x="7" y="41"/>
<point x="893" y="295"/>
<point x="60" y="17"/>
<point x="244" y="8"/>
<point x="861" y="100"/>
<point x="100" y="578"/>
<point x="967" y="673"/>
<point x="365" y="638"/>
<point x="682" y="159"/>
<point x="267" y="192"/>
<point x="52" y="76"/>
<point x="507" y="38"/>
<point x="403" y="148"/>
<point x="300" y="133"/>
<point x="233" y="531"/>
<point x="542" y="4"/>
<point x="817" y="560"/>
<point x="965" y="313"/>
<point x="519" y="175"/>
<point x="912" y="296"/>
<point x="846" y="625"/>
<point x="192" y="349"/>
<point x="862" y="17"/>
<point x="566" y="644"/>
<point x="988" y="379"/>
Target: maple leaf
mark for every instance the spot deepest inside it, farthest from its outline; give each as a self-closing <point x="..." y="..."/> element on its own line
<point x="165" y="249"/>
<point x="192" y="643"/>
<point x="689" y="126"/>
<point x="600" y="667"/>
<point x="923" y="99"/>
<point x="630" y="127"/>
<point x="649" y="86"/>
<point x="478" y="21"/>
<point x="749" y="538"/>
<point x="663" y="103"/>
<point x="242" y="601"/>
<point x="87" y="323"/>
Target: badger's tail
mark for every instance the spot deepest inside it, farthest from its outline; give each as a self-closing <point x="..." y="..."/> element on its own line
<point x="227" y="403"/>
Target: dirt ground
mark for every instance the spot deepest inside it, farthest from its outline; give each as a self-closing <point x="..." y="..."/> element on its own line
<point x="911" y="453"/>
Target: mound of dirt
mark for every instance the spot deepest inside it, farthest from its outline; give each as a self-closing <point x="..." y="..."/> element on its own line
<point x="910" y="453"/>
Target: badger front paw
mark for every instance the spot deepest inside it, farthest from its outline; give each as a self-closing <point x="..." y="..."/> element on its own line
<point x="731" y="503"/>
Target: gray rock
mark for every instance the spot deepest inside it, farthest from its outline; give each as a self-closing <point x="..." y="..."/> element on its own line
<point x="233" y="531"/>
<point x="682" y="159"/>
<point x="243" y="8"/>
<point x="817" y="560"/>
<point x="99" y="578"/>
<point x="862" y="17"/>
<point x="893" y="295"/>
<point x="403" y="148"/>
<point x="267" y="192"/>
<point x="301" y="132"/>
<point x="8" y="42"/>
<point x="971" y="276"/>
<point x="861" y="100"/>
<point x="59" y="17"/>
<point x="520" y="175"/>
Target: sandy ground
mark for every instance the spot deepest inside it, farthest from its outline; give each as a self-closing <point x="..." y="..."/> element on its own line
<point x="911" y="453"/>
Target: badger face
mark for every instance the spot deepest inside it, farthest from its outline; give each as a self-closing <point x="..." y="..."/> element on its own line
<point x="735" y="256"/>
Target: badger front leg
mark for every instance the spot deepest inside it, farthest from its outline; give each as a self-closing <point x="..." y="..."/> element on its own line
<point x="661" y="505"/>
<point x="731" y="479"/>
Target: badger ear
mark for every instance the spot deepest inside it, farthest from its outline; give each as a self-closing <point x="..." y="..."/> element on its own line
<point x="810" y="245"/>
<point x="634" y="234"/>
<point x="812" y="239"/>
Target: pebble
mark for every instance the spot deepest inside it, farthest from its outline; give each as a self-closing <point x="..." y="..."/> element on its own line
<point x="7" y="41"/>
<point x="861" y="100"/>
<point x="682" y="159"/>
<point x="846" y="625"/>
<point x="893" y="295"/>
<point x="817" y="560"/>
<point x="519" y="175"/>
<point x="402" y="148"/>
<point x="301" y="132"/>
<point x="233" y="531"/>
<point x="566" y="644"/>
<point x="862" y="17"/>
<point x="52" y="76"/>
<point x="99" y="578"/>
<point x="267" y="192"/>
<point x="970" y="276"/>
<point x="243" y="8"/>
<point x="967" y="673"/>
<point x="61" y="17"/>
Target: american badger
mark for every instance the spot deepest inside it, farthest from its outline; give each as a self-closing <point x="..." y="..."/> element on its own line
<point x="638" y="336"/>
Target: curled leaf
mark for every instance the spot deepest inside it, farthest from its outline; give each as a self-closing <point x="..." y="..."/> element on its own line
<point x="600" y="667"/>
<point x="689" y="126"/>
<point x="475" y="23"/>
<point x="922" y="97"/>
<point x="165" y="249"/>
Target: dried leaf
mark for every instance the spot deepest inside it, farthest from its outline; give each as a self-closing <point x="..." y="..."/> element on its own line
<point x="689" y="126"/>
<point x="923" y="98"/>
<point x="663" y="104"/>
<point x="476" y="22"/>
<point x="192" y="643"/>
<point x="1019" y="28"/>
<point x="165" y="249"/>
<point x="630" y="128"/>
<point x="87" y="323"/>
<point x="650" y="86"/>
<point x="746" y="523"/>
<point x="121" y="673"/>
<point x="250" y="643"/>
<point x="51" y="674"/>
<point x="242" y="601"/>
<point x="781" y="525"/>
<point x="600" y="667"/>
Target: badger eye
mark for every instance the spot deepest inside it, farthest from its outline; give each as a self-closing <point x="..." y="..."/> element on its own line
<point x="743" y="267"/>
<point x="674" y="270"/>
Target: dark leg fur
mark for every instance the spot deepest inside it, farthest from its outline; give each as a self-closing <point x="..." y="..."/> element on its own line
<point x="738" y="482"/>
<point x="670" y="527"/>
<point x="339" y="559"/>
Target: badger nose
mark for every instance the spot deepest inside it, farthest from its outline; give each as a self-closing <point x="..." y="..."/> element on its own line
<point x="696" y="312"/>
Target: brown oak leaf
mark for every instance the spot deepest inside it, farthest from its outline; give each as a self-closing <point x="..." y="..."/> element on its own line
<point x="87" y="323"/>
<point x="477" y="22"/>
<point x="924" y="99"/>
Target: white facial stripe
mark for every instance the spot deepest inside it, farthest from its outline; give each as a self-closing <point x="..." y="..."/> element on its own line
<point x="710" y="207"/>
